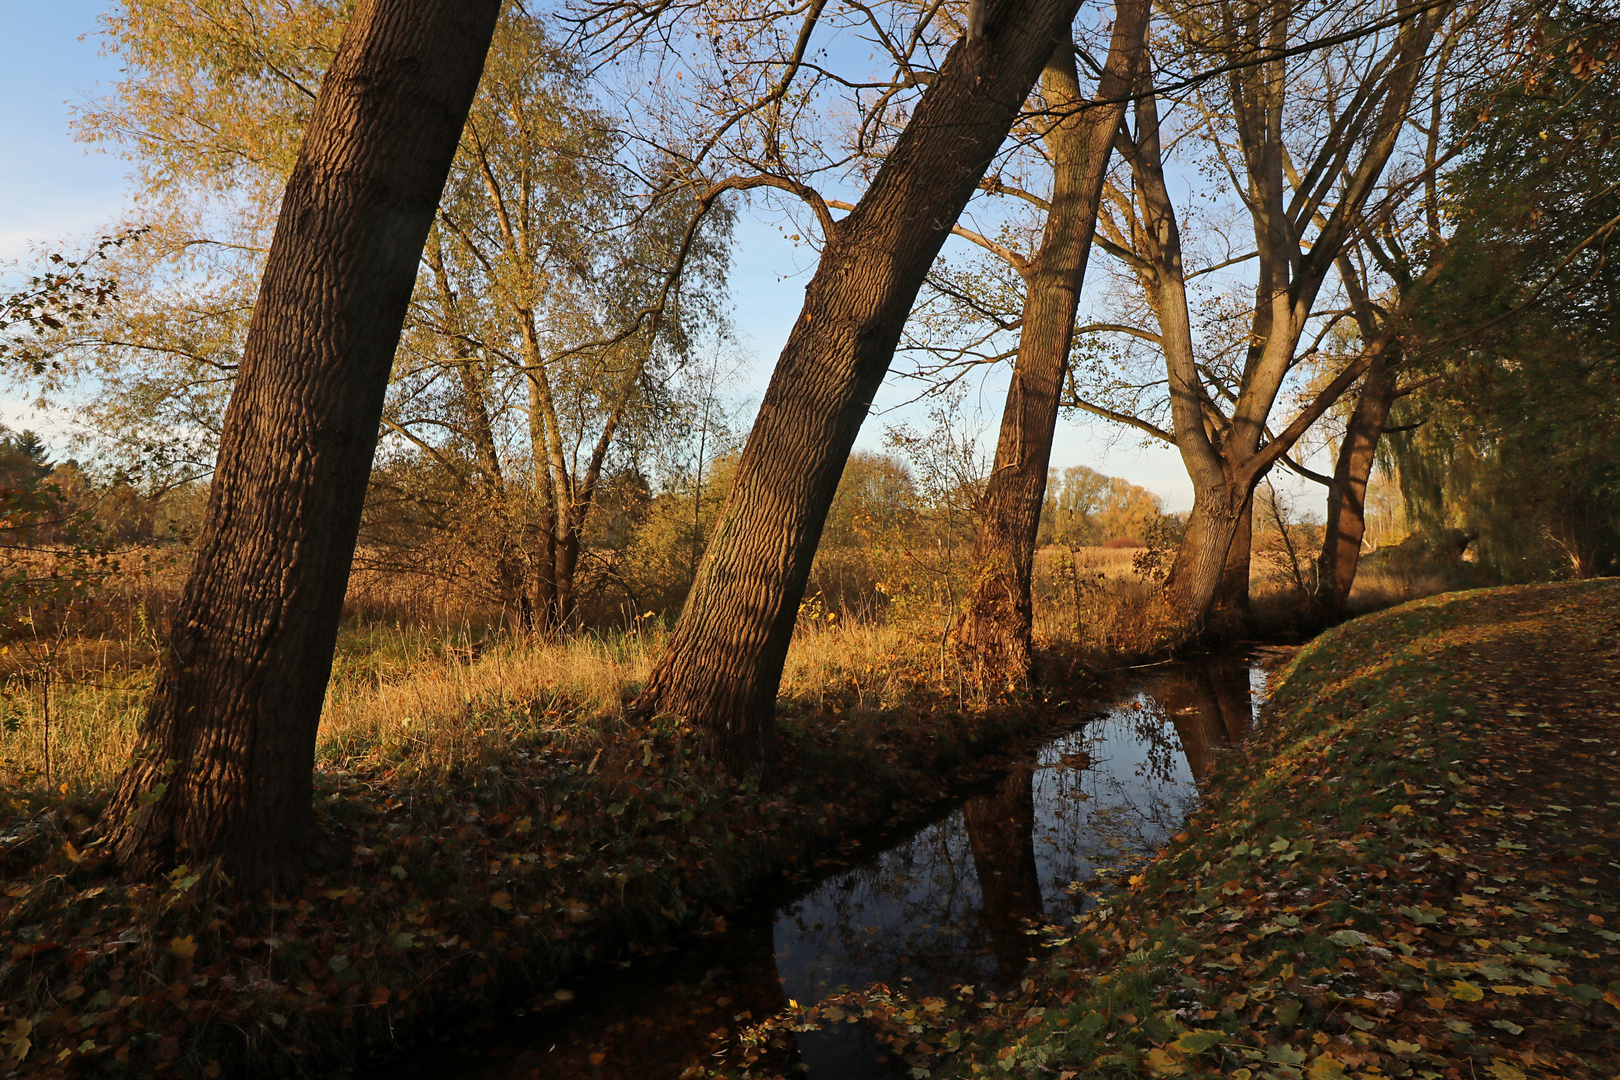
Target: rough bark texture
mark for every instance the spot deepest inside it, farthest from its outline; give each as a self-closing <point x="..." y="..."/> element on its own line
<point x="226" y="749"/>
<point x="1232" y="616"/>
<point x="1347" y="496"/>
<point x="724" y="661"/>
<point x="997" y="624"/>
<point x="1001" y="835"/>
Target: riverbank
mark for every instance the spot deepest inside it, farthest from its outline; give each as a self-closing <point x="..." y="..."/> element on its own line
<point x="1411" y="870"/>
<point x="567" y="837"/>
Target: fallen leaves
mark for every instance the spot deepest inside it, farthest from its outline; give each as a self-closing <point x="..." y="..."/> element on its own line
<point x="1399" y="877"/>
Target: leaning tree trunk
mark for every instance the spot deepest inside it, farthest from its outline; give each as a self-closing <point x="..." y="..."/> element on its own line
<point x="999" y="615"/>
<point x="1347" y="495"/>
<point x="223" y="764"/>
<point x="724" y="661"/>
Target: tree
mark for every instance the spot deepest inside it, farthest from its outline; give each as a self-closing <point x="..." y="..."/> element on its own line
<point x="224" y="758"/>
<point x="529" y="357"/>
<point x="1304" y="211"/>
<point x="724" y="661"/>
<point x="999" y="615"/>
<point x="1084" y="508"/>
<point x="1511" y="440"/>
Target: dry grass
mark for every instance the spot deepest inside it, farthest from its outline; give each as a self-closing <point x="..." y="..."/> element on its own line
<point x="436" y="701"/>
<point x="1094" y="599"/>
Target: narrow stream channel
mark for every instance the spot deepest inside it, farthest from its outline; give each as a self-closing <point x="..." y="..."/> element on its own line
<point x="947" y="905"/>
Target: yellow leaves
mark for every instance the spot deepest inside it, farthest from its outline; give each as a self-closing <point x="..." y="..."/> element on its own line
<point x="183" y="947"/>
<point x="1463" y="990"/>
<point x="1326" y="1067"/>
<point x="16" y="1037"/>
<point x="1501" y="1070"/>
<point x="576" y="910"/>
<point x="502" y="901"/>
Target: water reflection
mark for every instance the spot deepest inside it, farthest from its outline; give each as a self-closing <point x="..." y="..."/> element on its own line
<point x="948" y="905"/>
<point x="1001" y="834"/>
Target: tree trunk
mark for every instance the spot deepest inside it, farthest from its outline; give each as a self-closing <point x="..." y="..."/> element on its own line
<point x="999" y="615"/>
<point x="225" y="752"/>
<point x="1200" y="565"/>
<point x="1231" y="615"/>
<point x="566" y="563"/>
<point x="724" y="661"/>
<point x="1347" y="496"/>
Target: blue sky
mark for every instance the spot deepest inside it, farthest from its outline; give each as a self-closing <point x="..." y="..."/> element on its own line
<point x="55" y="190"/>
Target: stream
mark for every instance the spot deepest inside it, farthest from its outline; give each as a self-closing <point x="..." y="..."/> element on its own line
<point x="946" y="905"/>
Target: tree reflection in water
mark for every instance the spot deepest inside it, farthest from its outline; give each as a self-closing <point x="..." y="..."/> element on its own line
<point x="947" y="906"/>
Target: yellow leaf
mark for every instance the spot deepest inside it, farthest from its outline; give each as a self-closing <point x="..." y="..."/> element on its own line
<point x="183" y="947"/>
<point x="1466" y="991"/>
<point x="501" y="901"/>
<point x="1162" y="1064"/>
<point x="1197" y="1042"/>
<point x="1501" y="1070"/>
<point x="1327" y="1067"/>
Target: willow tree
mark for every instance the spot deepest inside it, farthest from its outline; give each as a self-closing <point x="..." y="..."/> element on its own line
<point x="724" y="661"/>
<point x="222" y="769"/>
<point x="1512" y="437"/>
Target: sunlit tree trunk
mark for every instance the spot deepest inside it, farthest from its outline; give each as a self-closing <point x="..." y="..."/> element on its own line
<point x="1232" y="615"/>
<point x="1227" y="456"/>
<point x="998" y="620"/>
<point x="224" y="756"/>
<point x="724" y="661"/>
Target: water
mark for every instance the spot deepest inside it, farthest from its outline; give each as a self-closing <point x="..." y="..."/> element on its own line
<point x="945" y="906"/>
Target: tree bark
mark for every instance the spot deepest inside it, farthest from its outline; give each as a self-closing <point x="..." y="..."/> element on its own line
<point x="999" y="616"/>
<point x="1232" y="616"/>
<point x="724" y="661"/>
<point x="1347" y="495"/>
<point x="226" y="750"/>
